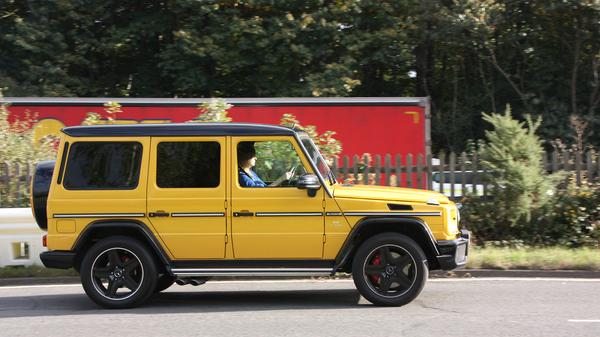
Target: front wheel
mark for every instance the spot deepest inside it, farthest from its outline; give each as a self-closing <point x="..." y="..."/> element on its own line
<point x="118" y="272"/>
<point x="390" y="269"/>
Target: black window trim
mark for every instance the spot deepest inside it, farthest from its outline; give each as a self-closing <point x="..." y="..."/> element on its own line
<point x="63" y="161"/>
<point x="221" y="154"/>
<point x="139" y="171"/>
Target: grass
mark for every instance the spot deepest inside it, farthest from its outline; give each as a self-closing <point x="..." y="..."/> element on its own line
<point x="552" y="258"/>
<point x="34" y="271"/>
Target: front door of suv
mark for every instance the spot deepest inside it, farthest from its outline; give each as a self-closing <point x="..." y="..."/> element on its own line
<point x="186" y="195"/>
<point x="274" y="222"/>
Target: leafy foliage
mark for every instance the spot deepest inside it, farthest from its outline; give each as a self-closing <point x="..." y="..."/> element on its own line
<point x="527" y="204"/>
<point x="17" y="146"/>
<point x="214" y="110"/>
<point x="329" y="147"/>
<point x="467" y="55"/>
<point x="513" y="158"/>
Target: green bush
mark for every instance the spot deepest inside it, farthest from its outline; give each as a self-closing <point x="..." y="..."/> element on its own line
<point x="571" y="218"/>
<point x="513" y="158"/>
<point x="526" y="205"/>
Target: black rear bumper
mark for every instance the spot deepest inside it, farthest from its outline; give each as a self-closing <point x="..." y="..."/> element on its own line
<point x="58" y="259"/>
<point x="453" y="253"/>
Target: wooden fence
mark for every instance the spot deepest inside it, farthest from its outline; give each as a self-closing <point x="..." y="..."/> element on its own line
<point x="451" y="174"/>
<point x="14" y="184"/>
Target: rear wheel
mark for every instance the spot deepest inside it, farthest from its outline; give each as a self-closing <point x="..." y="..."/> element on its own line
<point x="118" y="272"/>
<point x="390" y="269"/>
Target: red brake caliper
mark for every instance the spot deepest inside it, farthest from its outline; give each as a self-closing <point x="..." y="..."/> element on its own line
<point x="376" y="261"/>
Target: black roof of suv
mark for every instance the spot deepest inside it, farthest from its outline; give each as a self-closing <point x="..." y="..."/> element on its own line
<point x="177" y="129"/>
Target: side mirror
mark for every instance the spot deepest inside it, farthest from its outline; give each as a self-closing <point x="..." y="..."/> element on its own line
<point x="310" y="183"/>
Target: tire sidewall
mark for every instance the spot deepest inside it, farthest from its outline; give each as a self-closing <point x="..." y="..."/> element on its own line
<point x="406" y="243"/>
<point x="149" y="279"/>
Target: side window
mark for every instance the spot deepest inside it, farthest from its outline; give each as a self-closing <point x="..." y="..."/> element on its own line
<point x="103" y="166"/>
<point x="188" y="164"/>
<point x="273" y="159"/>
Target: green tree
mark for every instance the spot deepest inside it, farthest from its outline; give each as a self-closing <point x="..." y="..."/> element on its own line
<point x="512" y="157"/>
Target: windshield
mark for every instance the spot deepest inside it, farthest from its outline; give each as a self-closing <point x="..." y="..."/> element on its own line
<point x="316" y="157"/>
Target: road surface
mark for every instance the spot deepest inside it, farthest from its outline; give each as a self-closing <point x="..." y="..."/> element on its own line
<point x="447" y="307"/>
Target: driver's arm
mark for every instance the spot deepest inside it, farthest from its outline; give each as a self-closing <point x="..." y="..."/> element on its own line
<point x="286" y="176"/>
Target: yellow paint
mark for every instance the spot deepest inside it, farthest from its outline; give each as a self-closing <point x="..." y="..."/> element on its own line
<point x="414" y="114"/>
<point x="65" y="226"/>
<point x="189" y="237"/>
<point x="47" y="127"/>
<point x="229" y="237"/>
<point x="278" y="237"/>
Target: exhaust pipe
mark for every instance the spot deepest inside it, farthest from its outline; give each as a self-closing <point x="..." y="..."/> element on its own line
<point x="192" y="281"/>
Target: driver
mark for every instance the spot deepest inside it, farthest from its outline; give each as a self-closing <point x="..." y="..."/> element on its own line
<point x="247" y="160"/>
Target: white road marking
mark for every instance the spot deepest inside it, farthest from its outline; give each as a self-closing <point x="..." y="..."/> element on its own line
<point x="522" y="279"/>
<point x="435" y="280"/>
<point x="584" y="320"/>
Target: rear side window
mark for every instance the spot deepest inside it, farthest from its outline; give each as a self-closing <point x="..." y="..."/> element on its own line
<point x="103" y="166"/>
<point x="188" y="164"/>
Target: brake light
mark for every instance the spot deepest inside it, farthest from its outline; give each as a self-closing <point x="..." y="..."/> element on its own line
<point x="45" y="240"/>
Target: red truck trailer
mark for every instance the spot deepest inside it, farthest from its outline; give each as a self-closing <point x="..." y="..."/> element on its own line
<point x="381" y="125"/>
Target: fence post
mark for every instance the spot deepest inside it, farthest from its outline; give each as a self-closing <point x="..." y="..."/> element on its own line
<point x="4" y="179"/>
<point x="377" y="169"/>
<point x="452" y="177"/>
<point x="463" y="173"/>
<point x="388" y="169"/>
<point x="355" y="161"/>
<point x="420" y="171"/>
<point x="16" y="178"/>
<point x="409" y="170"/>
<point x="399" y="170"/>
<point x="346" y="168"/>
<point x="366" y="170"/>
<point x="428" y="170"/>
<point x="475" y="178"/>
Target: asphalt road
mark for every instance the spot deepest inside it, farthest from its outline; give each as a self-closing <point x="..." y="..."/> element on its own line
<point x="455" y="307"/>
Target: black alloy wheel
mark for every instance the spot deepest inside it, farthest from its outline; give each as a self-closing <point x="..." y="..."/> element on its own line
<point x="389" y="269"/>
<point x="118" y="272"/>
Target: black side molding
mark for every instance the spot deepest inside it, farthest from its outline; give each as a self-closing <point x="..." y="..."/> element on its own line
<point x="58" y="259"/>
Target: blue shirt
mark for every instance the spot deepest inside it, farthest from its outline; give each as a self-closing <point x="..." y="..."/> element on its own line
<point x="250" y="180"/>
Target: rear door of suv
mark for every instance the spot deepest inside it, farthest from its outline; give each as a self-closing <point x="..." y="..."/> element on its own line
<point x="186" y="195"/>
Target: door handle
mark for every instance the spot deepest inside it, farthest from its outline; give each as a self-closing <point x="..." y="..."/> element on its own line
<point x="158" y="214"/>
<point x="243" y="213"/>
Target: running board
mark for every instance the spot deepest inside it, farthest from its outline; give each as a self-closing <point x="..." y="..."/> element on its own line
<point x="189" y="272"/>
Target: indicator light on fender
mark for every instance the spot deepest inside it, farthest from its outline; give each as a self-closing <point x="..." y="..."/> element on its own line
<point x="45" y="240"/>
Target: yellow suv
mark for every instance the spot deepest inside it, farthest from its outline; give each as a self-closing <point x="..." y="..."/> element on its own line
<point x="135" y="208"/>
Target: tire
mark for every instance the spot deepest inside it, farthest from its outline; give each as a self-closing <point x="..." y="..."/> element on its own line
<point x="164" y="282"/>
<point x="390" y="269"/>
<point x="118" y="272"/>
